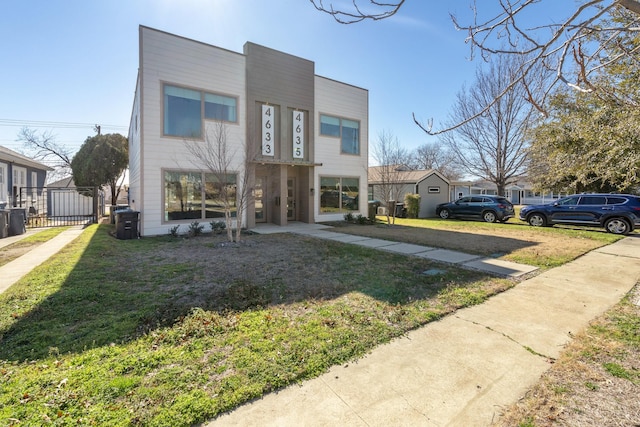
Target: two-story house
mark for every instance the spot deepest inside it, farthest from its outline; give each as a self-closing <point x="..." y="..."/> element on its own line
<point x="296" y="140"/>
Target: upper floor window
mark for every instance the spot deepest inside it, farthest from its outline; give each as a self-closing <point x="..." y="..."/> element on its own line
<point x="219" y="107"/>
<point x="185" y="109"/>
<point x="347" y="130"/>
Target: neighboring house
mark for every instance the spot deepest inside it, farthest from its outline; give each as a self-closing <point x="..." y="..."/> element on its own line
<point x="519" y="193"/>
<point x="431" y="185"/>
<point x="21" y="179"/>
<point x="302" y="138"/>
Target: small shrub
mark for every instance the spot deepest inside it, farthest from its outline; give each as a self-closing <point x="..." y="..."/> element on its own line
<point x="348" y="217"/>
<point x="218" y="226"/>
<point x="174" y="231"/>
<point x="361" y="219"/>
<point x="195" y="229"/>
<point x="412" y="203"/>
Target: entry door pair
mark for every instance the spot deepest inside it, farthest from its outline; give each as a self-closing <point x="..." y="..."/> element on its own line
<point x="261" y="197"/>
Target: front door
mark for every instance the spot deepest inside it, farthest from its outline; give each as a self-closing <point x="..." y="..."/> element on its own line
<point x="259" y="199"/>
<point x="291" y="199"/>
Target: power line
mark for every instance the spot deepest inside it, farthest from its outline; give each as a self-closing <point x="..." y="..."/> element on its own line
<point x="52" y="124"/>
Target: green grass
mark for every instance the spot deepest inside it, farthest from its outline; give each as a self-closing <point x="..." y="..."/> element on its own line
<point x="545" y="247"/>
<point x="129" y="332"/>
<point x="98" y="335"/>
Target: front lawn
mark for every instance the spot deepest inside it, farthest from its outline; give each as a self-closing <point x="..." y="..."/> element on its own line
<point x="515" y="241"/>
<point x="172" y="331"/>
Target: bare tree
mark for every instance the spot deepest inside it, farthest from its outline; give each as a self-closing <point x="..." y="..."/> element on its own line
<point x="390" y="158"/>
<point x="436" y="156"/>
<point x="44" y="148"/>
<point x="217" y="156"/>
<point x="571" y="51"/>
<point x="493" y="146"/>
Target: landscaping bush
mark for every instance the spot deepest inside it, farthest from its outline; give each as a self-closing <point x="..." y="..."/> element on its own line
<point x="412" y="204"/>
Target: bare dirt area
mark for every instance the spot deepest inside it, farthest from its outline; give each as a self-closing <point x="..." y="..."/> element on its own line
<point x="8" y="254"/>
<point x="513" y="242"/>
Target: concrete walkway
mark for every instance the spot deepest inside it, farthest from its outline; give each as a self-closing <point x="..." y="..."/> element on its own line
<point x="16" y="269"/>
<point x="462" y="370"/>
<point x="494" y="266"/>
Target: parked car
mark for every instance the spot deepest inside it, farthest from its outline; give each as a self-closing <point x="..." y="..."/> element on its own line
<point x="488" y="208"/>
<point x="617" y="213"/>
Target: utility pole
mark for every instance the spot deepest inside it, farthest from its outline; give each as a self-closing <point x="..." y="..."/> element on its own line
<point x="96" y="128"/>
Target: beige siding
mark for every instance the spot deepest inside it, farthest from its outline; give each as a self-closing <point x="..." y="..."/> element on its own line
<point x="429" y="201"/>
<point x="175" y="60"/>
<point x="349" y="102"/>
<point x="283" y="80"/>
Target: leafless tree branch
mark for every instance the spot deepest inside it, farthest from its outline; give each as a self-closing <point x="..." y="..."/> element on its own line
<point x="381" y="10"/>
<point x="571" y="52"/>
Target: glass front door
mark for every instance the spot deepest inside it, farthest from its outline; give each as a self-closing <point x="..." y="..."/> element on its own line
<point x="291" y="199"/>
<point x="259" y="198"/>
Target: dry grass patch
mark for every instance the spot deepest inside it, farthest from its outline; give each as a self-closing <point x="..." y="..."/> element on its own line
<point x="542" y="247"/>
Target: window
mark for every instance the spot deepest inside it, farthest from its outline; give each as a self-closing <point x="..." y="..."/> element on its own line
<point x="616" y="200"/>
<point x="350" y="137"/>
<point x="185" y="109"/>
<point x="219" y="188"/>
<point x="219" y="107"/>
<point x="182" y="112"/>
<point x="593" y="200"/>
<point x="329" y="126"/>
<point x="339" y="194"/>
<point x="347" y="130"/>
<point x="434" y="189"/>
<point x="569" y="201"/>
<point x="3" y="183"/>
<point x="34" y="186"/>
<point x="185" y="196"/>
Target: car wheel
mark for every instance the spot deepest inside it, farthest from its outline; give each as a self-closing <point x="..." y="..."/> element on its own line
<point x="536" y="220"/>
<point x="617" y="226"/>
<point x="489" y="216"/>
<point x="445" y="214"/>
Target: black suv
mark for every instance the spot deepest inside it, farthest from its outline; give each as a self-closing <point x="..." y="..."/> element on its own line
<point x="617" y="213"/>
<point x="489" y="208"/>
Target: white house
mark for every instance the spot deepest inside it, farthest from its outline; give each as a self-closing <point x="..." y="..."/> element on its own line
<point x="302" y="138"/>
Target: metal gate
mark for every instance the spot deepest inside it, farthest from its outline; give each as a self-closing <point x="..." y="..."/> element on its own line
<point x="59" y="206"/>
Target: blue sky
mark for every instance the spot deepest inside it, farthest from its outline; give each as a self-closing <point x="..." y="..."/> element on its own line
<point x="73" y="64"/>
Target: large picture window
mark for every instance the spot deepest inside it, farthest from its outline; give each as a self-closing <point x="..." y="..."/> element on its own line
<point x="347" y="130"/>
<point x="187" y="198"/>
<point x="185" y="109"/>
<point x="339" y="194"/>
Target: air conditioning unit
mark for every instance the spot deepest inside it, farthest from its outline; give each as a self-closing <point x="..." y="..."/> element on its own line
<point x="382" y="210"/>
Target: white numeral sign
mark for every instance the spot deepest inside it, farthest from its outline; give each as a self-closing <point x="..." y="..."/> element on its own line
<point x="268" y="117"/>
<point x="298" y="134"/>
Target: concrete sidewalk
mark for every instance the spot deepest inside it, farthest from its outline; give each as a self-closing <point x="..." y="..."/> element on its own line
<point x="462" y="370"/>
<point x="16" y="269"/>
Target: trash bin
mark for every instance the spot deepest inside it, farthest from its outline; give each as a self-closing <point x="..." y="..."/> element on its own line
<point x="373" y="209"/>
<point x="17" y="221"/>
<point x="127" y="224"/>
<point x="401" y="212"/>
<point x="113" y="210"/>
<point x="4" y="224"/>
